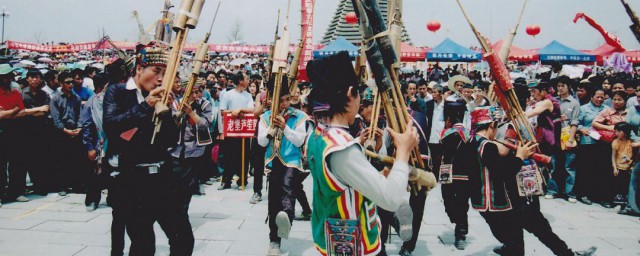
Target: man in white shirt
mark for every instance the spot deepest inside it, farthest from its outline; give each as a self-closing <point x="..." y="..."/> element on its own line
<point x="236" y="102"/>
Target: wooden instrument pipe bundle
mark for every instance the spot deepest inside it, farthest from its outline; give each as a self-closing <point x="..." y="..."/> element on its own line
<point x="635" y="27"/>
<point x="278" y="71"/>
<point x="272" y="49"/>
<point x="382" y="59"/>
<point x="187" y="19"/>
<point x="198" y="60"/>
<point x="503" y="88"/>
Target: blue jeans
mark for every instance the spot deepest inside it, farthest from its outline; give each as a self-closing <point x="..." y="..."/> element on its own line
<point x="567" y="157"/>
<point x="632" y="199"/>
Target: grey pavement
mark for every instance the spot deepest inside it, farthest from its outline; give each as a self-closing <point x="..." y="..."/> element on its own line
<point x="224" y="223"/>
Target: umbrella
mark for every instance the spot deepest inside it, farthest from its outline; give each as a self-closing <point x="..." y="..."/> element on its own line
<point x="241" y="61"/>
<point x="45" y="60"/>
<point x="44" y="55"/>
<point x="25" y="63"/>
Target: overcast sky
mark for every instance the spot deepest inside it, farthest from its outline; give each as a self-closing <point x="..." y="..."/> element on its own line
<point x="83" y="20"/>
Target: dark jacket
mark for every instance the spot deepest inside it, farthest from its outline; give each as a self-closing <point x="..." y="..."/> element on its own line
<point x="491" y="176"/>
<point x="122" y="116"/>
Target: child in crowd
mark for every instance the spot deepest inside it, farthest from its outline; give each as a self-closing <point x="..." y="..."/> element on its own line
<point x="623" y="159"/>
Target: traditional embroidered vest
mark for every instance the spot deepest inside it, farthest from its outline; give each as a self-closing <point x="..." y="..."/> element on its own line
<point x="460" y="159"/>
<point x="289" y="154"/>
<point x="332" y="199"/>
<point x="489" y="193"/>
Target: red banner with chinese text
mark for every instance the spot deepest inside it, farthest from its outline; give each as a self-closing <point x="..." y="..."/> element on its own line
<point x="239" y="127"/>
<point x="307" y="32"/>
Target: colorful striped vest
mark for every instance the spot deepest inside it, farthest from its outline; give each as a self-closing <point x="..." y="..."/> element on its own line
<point x="332" y="199"/>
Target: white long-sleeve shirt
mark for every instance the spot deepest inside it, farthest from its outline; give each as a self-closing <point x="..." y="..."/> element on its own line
<point x="296" y="136"/>
<point x="352" y="168"/>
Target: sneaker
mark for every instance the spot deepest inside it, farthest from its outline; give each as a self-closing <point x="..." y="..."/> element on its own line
<point x="606" y="204"/>
<point x="62" y="193"/>
<point x="585" y="200"/>
<point x="619" y="199"/>
<point x="460" y="243"/>
<point x="201" y="190"/>
<point x="284" y="225"/>
<point x="209" y="182"/>
<point x="303" y="217"/>
<point x="223" y="187"/>
<point x="626" y="211"/>
<point x="22" y="199"/>
<point x="572" y="199"/>
<point x="405" y="221"/>
<point x="92" y="207"/>
<point x="256" y="198"/>
<point x="587" y="252"/>
<point x="500" y="250"/>
<point x="549" y="196"/>
<point x="404" y="252"/>
<point x="274" y="249"/>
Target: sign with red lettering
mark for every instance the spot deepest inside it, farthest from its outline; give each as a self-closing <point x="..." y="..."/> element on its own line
<point x="244" y="126"/>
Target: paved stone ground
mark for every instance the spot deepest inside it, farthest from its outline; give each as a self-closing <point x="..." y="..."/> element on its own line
<point x="225" y="223"/>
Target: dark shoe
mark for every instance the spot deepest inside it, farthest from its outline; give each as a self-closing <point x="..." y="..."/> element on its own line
<point x="585" y="200"/>
<point x="303" y="217"/>
<point x="606" y="204"/>
<point x="404" y="252"/>
<point x="619" y="199"/>
<point x="587" y="252"/>
<point x="626" y="211"/>
<point x="500" y="250"/>
<point x="460" y="243"/>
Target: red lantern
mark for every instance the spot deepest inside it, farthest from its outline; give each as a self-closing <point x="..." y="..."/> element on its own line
<point x="351" y="18"/>
<point x="433" y="26"/>
<point x="533" y="30"/>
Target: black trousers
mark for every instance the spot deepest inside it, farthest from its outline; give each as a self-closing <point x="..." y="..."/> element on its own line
<point x="417" y="202"/>
<point x="436" y="151"/>
<point x="531" y="219"/>
<point x="233" y="160"/>
<point x="456" y="205"/>
<point x="163" y="197"/>
<point x="281" y="198"/>
<point x="204" y="167"/>
<point x="257" y="162"/>
<point x="97" y="180"/>
<point x="299" y="194"/>
<point x="505" y="228"/>
<point x="386" y="220"/>
<point x="73" y="162"/>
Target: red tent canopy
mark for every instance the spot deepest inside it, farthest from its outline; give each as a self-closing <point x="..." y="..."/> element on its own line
<point x="605" y="50"/>
<point x="411" y="53"/>
<point x="517" y="53"/>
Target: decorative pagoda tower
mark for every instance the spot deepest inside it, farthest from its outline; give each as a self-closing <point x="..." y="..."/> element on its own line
<point x="340" y="27"/>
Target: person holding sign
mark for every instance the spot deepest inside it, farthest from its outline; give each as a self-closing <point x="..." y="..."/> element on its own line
<point x="237" y="102"/>
<point x="284" y="159"/>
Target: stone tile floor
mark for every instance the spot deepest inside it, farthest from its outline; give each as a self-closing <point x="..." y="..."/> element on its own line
<point x="225" y="223"/>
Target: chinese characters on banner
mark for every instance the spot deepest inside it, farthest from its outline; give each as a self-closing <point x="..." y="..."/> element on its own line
<point x="307" y="32"/>
<point x="240" y="127"/>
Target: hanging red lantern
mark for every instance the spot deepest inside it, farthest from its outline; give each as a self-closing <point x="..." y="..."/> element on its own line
<point x="433" y="26"/>
<point x="351" y="18"/>
<point x="533" y="30"/>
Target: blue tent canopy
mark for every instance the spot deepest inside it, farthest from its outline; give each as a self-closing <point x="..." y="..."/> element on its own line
<point x="338" y="45"/>
<point x="555" y="51"/>
<point x="451" y="51"/>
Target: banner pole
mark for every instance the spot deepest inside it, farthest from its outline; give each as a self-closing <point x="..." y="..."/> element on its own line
<point x="242" y="168"/>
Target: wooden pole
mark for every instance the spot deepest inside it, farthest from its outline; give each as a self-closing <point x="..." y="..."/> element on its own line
<point x="242" y="168"/>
